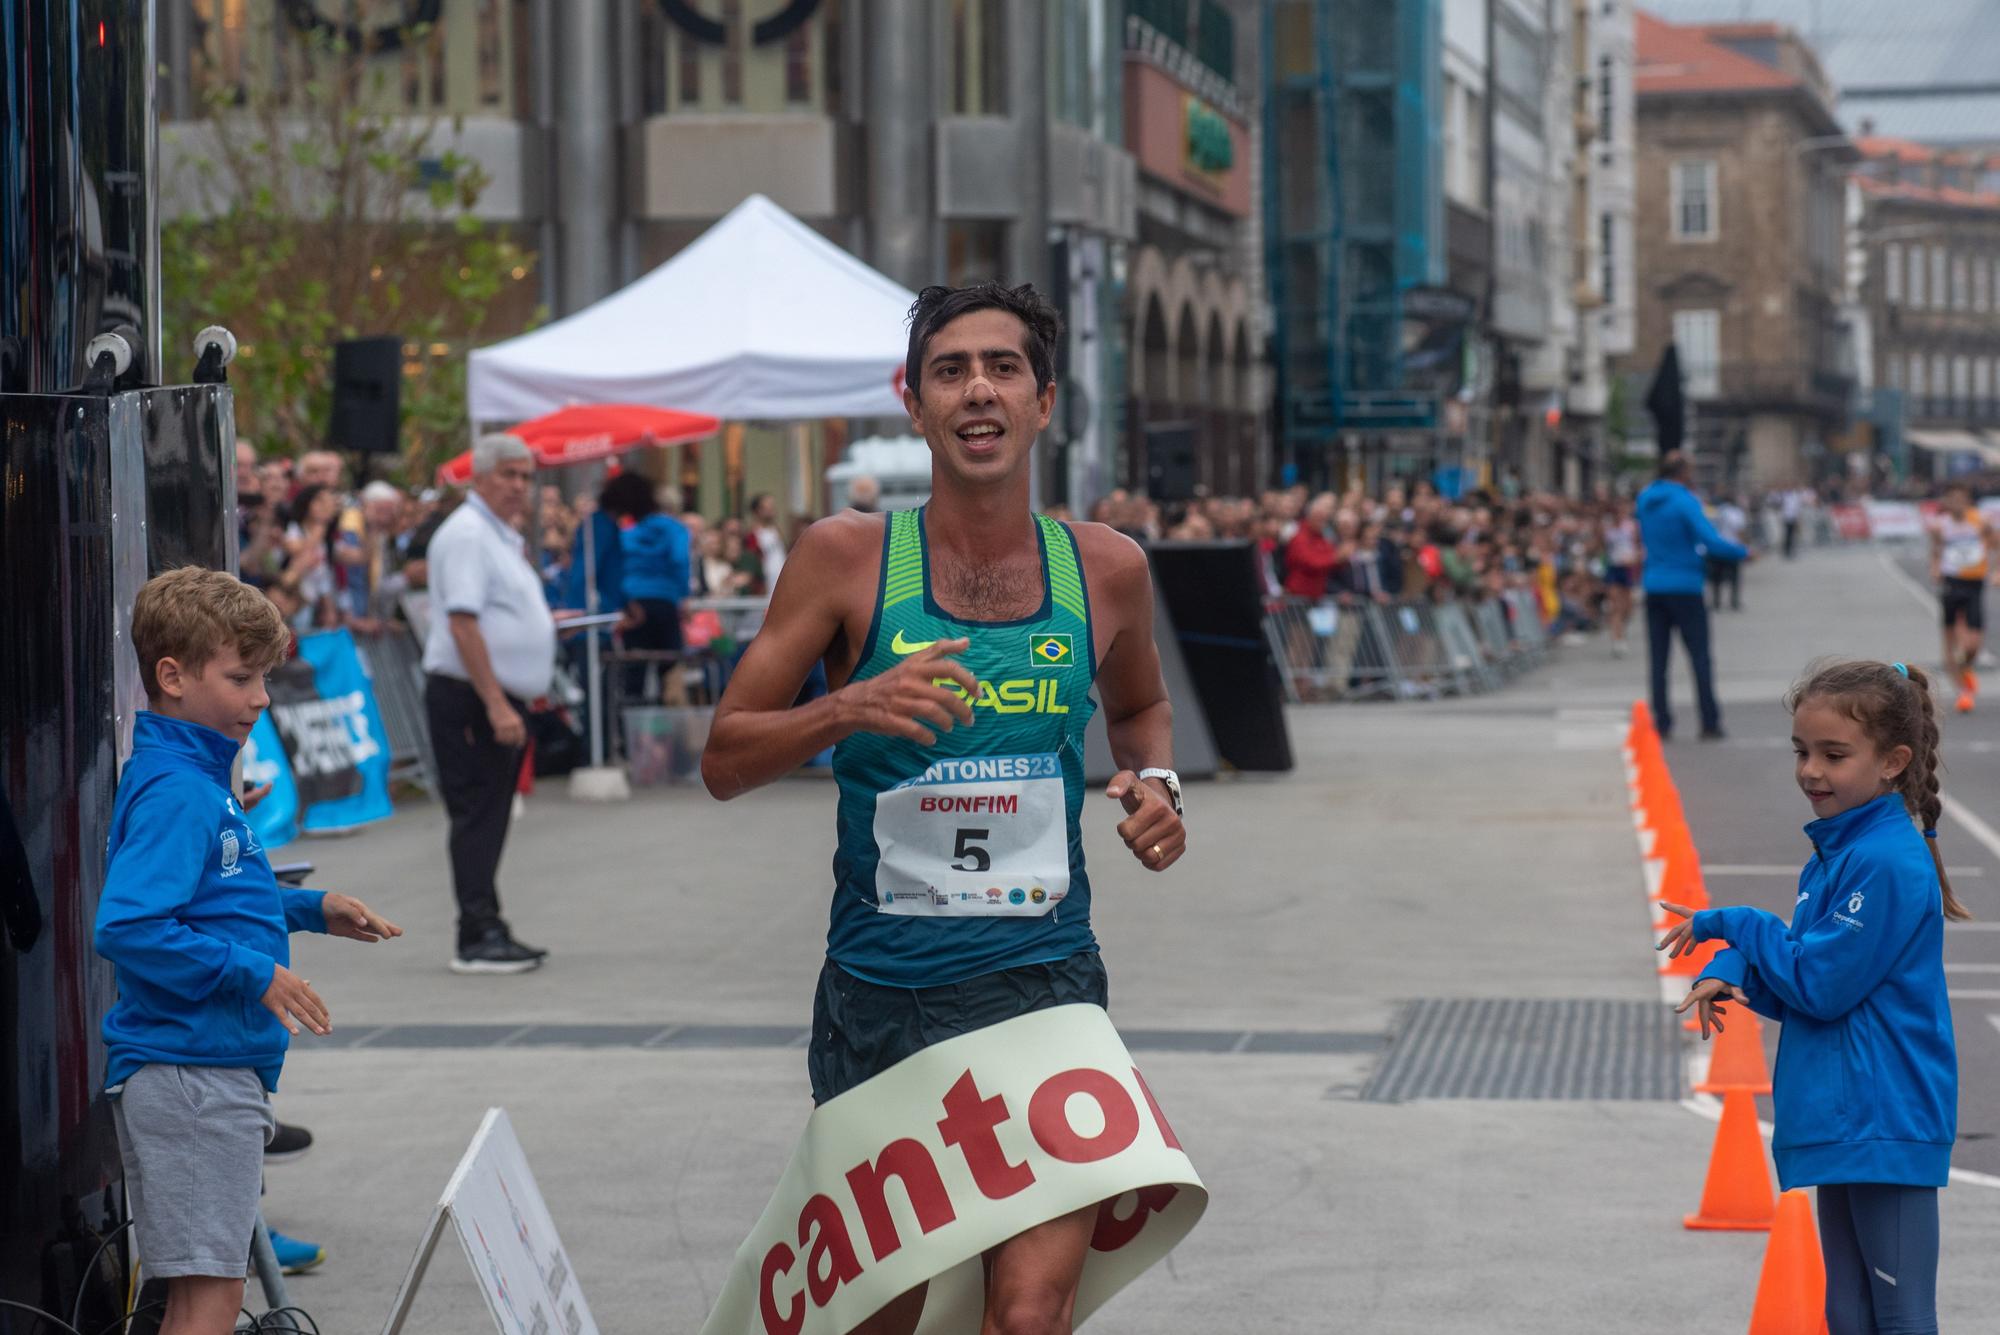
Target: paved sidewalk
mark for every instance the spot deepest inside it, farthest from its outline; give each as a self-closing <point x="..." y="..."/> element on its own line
<point x="1474" y="850"/>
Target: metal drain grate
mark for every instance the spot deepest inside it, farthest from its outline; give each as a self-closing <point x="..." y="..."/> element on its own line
<point x="1505" y="1048"/>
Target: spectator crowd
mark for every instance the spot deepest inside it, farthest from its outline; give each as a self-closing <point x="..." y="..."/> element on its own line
<point x="329" y="557"/>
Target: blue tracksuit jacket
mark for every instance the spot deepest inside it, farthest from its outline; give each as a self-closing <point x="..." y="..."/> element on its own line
<point x="656" y="559"/>
<point x="191" y="915"/>
<point x="1678" y="537"/>
<point x="1867" y="1080"/>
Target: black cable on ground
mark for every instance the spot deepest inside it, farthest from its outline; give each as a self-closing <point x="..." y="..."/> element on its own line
<point x="83" y="1287"/>
<point x="50" y="1317"/>
<point x="123" y="1321"/>
<point x="285" y="1321"/>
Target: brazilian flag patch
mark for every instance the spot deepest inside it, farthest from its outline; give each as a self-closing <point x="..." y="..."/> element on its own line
<point x="1049" y="650"/>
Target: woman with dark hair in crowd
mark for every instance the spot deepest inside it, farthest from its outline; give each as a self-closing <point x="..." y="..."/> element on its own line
<point x="310" y="567"/>
<point x="655" y="546"/>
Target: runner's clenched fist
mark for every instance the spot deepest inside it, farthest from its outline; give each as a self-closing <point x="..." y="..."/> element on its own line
<point x="1152" y="829"/>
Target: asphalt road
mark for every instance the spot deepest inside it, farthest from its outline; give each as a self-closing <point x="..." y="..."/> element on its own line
<point x="1746" y="812"/>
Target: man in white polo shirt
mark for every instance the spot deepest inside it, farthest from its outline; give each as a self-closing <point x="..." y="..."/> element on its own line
<point x="492" y="648"/>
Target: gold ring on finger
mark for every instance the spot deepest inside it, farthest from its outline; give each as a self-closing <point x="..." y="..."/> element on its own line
<point x="1156" y="852"/>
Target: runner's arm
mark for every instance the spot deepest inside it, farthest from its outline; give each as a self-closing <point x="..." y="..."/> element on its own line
<point x="1138" y="717"/>
<point x="757" y="735"/>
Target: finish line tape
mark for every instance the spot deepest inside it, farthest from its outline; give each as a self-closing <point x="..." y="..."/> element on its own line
<point x="910" y="1176"/>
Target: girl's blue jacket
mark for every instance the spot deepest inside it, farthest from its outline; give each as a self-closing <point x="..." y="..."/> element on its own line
<point x="1867" y="1080"/>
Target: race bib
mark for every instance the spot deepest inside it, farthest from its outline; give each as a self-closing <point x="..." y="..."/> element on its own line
<point x="983" y="836"/>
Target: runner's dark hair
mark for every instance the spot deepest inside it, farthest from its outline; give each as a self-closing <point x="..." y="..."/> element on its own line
<point x="937" y="306"/>
<point x="1894" y="707"/>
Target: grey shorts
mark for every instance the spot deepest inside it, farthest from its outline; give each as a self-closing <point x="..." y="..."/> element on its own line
<point x="192" y="1138"/>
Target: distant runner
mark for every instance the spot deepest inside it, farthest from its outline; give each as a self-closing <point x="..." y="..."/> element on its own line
<point x="962" y="641"/>
<point x="1961" y="550"/>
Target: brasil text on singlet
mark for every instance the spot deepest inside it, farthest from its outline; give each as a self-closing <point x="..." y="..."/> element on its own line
<point x="966" y="856"/>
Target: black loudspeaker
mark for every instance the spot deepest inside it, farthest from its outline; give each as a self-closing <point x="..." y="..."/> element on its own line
<point x="1170" y="462"/>
<point x="1216" y="597"/>
<point x="367" y="390"/>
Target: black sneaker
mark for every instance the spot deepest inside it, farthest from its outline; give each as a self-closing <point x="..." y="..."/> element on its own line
<point x="290" y="1143"/>
<point x="1713" y="735"/>
<point x="498" y="953"/>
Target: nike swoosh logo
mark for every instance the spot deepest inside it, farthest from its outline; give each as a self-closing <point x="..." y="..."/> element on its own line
<point x="899" y="645"/>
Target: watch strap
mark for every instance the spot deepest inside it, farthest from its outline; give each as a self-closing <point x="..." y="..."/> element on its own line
<point x="1173" y="782"/>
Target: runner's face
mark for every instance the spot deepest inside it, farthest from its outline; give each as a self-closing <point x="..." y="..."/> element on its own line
<point x="1837" y="766"/>
<point x="979" y="408"/>
<point x="226" y="694"/>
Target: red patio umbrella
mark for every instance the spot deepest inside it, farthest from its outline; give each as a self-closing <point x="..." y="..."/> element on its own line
<point x="584" y="432"/>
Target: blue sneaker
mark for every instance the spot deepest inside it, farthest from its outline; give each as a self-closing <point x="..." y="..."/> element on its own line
<point x="295" y="1257"/>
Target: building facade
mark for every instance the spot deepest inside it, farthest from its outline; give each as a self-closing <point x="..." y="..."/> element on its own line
<point x="1364" y="329"/>
<point x="1739" y="189"/>
<point x="1105" y="150"/>
<point x="1194" y="292"/>
<point x="1928" y="239"/>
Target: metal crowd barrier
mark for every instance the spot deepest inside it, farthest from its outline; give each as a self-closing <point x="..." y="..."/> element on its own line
<point x="1330" y="650"/>
<point x="395" y="663"/>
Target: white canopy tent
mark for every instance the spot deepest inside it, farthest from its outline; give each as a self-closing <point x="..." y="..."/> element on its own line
<point x="760" y="319"/>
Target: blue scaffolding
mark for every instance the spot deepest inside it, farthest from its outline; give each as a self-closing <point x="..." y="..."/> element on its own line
<point x="1353" y="210"/>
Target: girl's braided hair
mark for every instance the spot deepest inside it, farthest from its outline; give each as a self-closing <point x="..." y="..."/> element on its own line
<point x="1894" y="710"/>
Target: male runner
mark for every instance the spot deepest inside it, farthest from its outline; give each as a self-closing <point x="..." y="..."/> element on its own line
<point x="972" y="628"/>
<point x="1961" y="542"/>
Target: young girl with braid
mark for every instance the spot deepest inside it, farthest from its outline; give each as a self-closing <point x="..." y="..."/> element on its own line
<point x="1866" y="1087"/>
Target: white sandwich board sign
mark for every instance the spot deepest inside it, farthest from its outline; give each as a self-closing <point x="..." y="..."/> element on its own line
<point x="496" y="1209"/>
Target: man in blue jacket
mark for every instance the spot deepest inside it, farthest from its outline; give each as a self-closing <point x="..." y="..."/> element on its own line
<point x="1679" y="540"/>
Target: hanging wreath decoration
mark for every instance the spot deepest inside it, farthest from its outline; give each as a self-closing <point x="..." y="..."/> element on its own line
<point x="705" y="29"/>
<point x="305" y="17"/>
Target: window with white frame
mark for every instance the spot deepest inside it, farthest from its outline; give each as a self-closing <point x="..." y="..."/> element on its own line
<point x="1982" y="382"/>
<point x="1919" y="381"/>
<point x="1940" y="279"/>
<point x="1941" y="377"/>
<point x="1916" y="278"/>
<point x="1698" y="335"/>
<point x="1895" y="369"/>
<point x="1892" y="273"/>
<point x="1961" y="382"/>
<point x="1694" y="201"/>
<point x="1982" y="278"/>
<point x="1961" y="284"/>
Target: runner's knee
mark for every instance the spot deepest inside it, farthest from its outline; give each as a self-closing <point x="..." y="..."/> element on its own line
<point x="1044" y="1311"/>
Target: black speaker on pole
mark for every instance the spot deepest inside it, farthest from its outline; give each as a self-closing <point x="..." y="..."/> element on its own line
<point x="367" y="390"/>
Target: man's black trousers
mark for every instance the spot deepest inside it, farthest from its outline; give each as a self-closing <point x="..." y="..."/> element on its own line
<point x="477" y="776"/>
<point x="1688" y="614"/>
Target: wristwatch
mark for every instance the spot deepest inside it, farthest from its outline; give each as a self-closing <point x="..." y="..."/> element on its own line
<point x="1173" y="782"/>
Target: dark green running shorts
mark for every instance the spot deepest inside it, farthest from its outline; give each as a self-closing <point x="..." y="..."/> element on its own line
<point x="861" y="1029"/>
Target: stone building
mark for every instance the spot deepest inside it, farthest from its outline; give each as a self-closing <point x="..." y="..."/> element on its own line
<point x="1928" y="239"/>
<point x="939" y="140"/>
<point x="1740" y="238"/>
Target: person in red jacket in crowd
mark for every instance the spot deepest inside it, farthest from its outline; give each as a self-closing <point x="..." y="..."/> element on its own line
<point x="1311" y="555"/>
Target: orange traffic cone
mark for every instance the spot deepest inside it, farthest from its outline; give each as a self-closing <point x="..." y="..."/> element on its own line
<point x="1791" y="1291"/>
<point x="1692" y="964"/>
<point x="1737" y="1194"/>
<point x="1738" y="1059"/>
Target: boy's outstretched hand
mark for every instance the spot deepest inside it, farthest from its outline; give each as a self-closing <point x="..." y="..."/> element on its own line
<point x="292" y="999"/>
<point x="349" y="917"/>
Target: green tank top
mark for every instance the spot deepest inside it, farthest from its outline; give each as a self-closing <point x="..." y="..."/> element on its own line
<point x="966" y="857"/>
